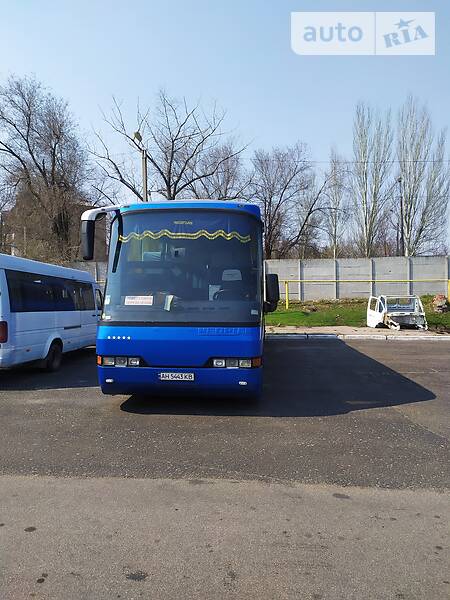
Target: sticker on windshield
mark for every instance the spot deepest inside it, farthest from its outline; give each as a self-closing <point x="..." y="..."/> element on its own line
<point x="139" y="300"/>
<point x="107" y="299"/>
<point x="213" y="289"/>
<point x="168" y="301"/>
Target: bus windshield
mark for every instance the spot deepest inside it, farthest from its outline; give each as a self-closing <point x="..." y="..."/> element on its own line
<point x="190" y="267"/>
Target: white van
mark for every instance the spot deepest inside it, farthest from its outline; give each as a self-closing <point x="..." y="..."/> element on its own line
<point x="45" y="310"/>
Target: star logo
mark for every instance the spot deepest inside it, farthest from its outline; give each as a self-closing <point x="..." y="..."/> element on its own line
<point x="404" y="24"/>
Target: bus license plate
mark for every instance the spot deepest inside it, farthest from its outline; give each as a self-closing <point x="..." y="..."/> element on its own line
<point x="176" y="376"/>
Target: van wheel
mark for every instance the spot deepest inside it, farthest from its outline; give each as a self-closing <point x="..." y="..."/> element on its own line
<point x="52" y="361"/>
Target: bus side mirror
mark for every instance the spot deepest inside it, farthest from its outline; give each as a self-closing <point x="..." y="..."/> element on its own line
<point x="87" y="239"/>
<point x="272" y="292"/>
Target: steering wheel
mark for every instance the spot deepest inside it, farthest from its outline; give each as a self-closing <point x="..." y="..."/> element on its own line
<point x="219" y="295"/>
<point x="225" y="294"/>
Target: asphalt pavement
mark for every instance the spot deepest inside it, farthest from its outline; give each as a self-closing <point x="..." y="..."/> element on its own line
<point x="333" y="485"/>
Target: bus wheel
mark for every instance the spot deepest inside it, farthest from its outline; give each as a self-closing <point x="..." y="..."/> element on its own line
<point x="52" y="361"/>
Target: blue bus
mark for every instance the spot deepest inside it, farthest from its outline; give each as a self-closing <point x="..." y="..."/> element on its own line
<point x="185" y="298"/>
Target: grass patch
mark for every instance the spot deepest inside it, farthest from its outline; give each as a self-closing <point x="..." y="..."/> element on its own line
<point x="436" y="321"/>
<point x="329" y="313"/>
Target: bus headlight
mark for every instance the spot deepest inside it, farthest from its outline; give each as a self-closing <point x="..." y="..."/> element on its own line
<point x="232" y="363"/>
<point x="235" y="363"/>
<point x="119" y="361"/>
<point x="245" y="363"/>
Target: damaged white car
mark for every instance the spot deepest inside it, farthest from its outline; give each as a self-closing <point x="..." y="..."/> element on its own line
<point x="395" y="312"/>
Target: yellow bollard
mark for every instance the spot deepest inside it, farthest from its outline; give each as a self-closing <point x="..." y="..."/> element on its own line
<point x="286" y="292"/>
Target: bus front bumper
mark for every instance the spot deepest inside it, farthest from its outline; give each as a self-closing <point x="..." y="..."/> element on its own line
<point x="148" y="380"/>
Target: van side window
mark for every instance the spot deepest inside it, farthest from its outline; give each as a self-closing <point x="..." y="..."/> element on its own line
<point x="99" y="299"/>
<point x="15" y="291"/>
<point x="65" y="295"/>
<point x="29" y="292"/>
<point x="87" y="296"/>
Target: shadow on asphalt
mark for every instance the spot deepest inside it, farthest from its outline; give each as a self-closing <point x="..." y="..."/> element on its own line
<point x="302" y="379"/>
<point x="78" y="370"/>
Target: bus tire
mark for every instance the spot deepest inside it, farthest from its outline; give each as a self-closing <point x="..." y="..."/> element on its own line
<point x="52" y="361"/>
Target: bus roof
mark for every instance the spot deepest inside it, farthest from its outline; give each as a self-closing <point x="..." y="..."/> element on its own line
<point x="228" y="205"/>
<point x="16" y="263"/>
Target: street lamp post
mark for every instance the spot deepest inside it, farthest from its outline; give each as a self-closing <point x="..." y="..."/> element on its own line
<point x="137" y="136"/>
<point x="144" y="175"/>
<point x="402" y="227"/>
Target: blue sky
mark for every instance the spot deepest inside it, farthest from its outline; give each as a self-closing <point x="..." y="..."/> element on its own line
<point x="235" y="52"/>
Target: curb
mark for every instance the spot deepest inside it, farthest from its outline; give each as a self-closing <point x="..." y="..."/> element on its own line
<point x="425" y="338"/>
<point x="364" y="336"/>
<point x="322" y="336"/>
<point x="335" y="336"/>
<point x="304" y="336"/>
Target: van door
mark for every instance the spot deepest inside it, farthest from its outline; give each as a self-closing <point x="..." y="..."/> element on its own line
<point x="67" y="313"/>
<point x="5" y="327"/>
<point x="32" y="314"/>
<point x="89" y="314"/>
<point x="374" y="317"/>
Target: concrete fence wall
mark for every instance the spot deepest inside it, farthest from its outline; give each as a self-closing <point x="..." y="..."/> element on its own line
<point x="341" y="276"/>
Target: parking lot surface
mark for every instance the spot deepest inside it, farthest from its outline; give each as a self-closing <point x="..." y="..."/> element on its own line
<point x="333" y="485"/>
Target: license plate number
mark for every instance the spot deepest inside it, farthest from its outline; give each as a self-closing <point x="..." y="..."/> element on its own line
<point x="176" y="376"/>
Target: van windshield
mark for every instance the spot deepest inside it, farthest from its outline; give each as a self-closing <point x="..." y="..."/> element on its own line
<point x="400" y="304"/>
<point x="172" y="266"/>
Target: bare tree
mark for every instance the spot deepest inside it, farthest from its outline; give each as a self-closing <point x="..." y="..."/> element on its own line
<point x="42" y="159"/>
<point x="279" y="178"/>
<point x="306" y="226"/>
<point x="185" y="146"/>
<point x="336" y="217"/>
<point x="425" y="182"/>
<point x="6" y="201"/>
<point x="229" y="182"/>
<point x="283" y="184"/>
<point x="371" y="175"/>
<point x="6" y="194"/>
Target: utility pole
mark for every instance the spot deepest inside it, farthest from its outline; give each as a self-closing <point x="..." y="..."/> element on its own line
<point x="137" y="136"/>
<point x="144" y="175"/>
<point x="402" y="226"/>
